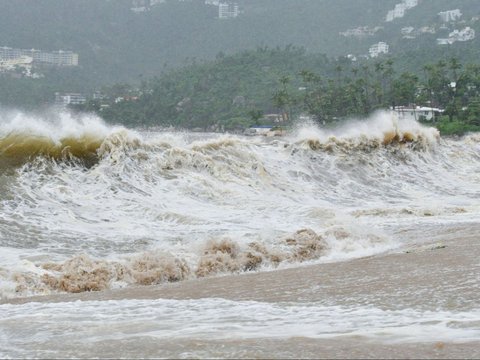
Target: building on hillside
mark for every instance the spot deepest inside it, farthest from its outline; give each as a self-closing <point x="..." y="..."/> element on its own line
<point x="377" y="49"/>
<point x="427" y="30"/>
<point x="11" y="64"/>
<point x="400" y="9"/>
<point x="450" y="15"/>
<point x="410" y="4"/>
<point x="408" y="32"/>
<point x="139" y="6"/>
<point x="228" y="10"/>
<point x="361" y="31"/>
<point x="63" y="100"/>
<point x="397" y="12"/>
<point x="57" y="58"/>
<point x="466" y="34"/>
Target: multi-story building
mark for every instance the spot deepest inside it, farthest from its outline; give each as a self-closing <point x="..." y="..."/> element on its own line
<point x="450" y="15"/>
<point x="466" y="34"/>
<point x="410" y="3"/>
<point x="228" y="10"/>
<point x="377" y="49"/>
<point x="63" y="100"/>
<point x="400" y="9"/>
<point x="58" y="58"/>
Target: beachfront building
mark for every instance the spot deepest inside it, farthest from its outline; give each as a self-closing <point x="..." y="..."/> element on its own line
<point x="417" y="112"/>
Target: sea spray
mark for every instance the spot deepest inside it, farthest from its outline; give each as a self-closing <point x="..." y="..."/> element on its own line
<point x="112" y="207"/>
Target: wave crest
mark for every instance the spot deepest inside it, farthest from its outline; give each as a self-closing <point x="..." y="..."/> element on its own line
<point x="59" y="136"/>
<point x="381" y="130"/>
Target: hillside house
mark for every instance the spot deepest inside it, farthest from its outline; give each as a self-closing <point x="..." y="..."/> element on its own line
<point x="63" y="100"/>
<point x="377" y="49"/>
<point x="466" y="34"/>
<point x="228" y="10"/>
<point x="450" y="15"/>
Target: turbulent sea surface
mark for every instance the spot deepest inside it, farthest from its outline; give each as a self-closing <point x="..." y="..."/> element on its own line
<point x="89" y="207"/>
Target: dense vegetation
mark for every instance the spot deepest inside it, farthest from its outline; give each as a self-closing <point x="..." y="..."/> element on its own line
<point x="235" y="91"/>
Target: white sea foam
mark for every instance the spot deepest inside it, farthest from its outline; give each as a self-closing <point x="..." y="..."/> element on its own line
<point x="173" y="193"/>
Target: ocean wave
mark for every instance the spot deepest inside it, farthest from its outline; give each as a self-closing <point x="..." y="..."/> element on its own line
<point x="383" y="129"/>
<point x="218" y="256"/>
<point x="59" y="136"/>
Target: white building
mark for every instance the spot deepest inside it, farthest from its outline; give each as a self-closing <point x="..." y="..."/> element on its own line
<point x="410" y="4"/>
<point x="228" y="10"/>
<point x="361" y="31"/>
<point x="450" y="15"/>
<point x="377" y="49"/>
<point x="416" y="112"/>
<point x="64" y="99"/>
<point x="58" y="58"/>
<point x="400" y="9"/>
<point x="408" y="32"/>
<point x="466" y="34"/>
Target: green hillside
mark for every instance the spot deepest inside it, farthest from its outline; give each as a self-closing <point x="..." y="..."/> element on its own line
<point x="116" y="44"/>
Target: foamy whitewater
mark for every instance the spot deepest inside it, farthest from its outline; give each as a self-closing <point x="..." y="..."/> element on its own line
<point x="85" y="206"/>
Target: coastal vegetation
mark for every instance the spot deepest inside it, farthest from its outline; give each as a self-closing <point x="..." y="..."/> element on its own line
<point x="237" y="91"/>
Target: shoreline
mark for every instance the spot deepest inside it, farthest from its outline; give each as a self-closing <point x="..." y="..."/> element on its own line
<point x="438" y="265"/>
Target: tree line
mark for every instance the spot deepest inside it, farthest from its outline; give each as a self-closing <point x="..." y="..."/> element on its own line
<point x="236" y="91"/>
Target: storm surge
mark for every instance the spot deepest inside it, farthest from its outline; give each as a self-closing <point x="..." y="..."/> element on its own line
<point x="86" y="206"/>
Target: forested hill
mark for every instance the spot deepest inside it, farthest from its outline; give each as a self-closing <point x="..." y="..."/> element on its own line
<point x="269" y="86"/>
<point x="117" y="44"/>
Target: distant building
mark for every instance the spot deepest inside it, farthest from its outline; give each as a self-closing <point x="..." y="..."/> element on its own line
<point x="361" y="31"/>
<point x="139" y="6"/>
<point x="397" y="12"/>
<point x="58" y="58"/>
<point x="63" y="100"/>
<point x="410" y="3"/>
<point x="228" y="10"/>
<point x="377" y="49"/>
<point x="417" y="112"/>
<point x="427" y="30"/>
<point x="400" y="9"/>
<point x="408" y="32"/>
<point x="450" y="15"/>
<point x="466" y="34"/>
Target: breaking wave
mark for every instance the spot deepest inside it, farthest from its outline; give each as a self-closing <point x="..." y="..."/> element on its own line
<point x="218" y="256"/>
<point x="85" y="206"/>
<point x="62" y="137"/>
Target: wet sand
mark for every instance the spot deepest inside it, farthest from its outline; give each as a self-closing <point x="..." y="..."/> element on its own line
<point x="440" y="275"/>
<point x="293" y="348"/>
